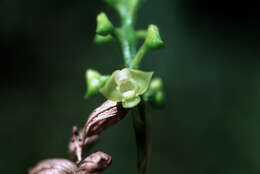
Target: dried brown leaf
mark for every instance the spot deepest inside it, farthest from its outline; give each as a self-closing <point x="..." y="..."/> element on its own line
<point x="94" y="163"/>
<point x="104" y="116"/>
<point x="54" y="166"/>
<point x="77" y="145"/>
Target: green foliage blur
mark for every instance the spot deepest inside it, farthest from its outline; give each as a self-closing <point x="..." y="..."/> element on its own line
<point x="210" y="67"/>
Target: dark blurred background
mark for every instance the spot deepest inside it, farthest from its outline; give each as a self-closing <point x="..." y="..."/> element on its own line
<point x="210" y="67"/>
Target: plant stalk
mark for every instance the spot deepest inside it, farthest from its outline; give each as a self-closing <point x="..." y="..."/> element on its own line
<point x="127" y="37"/>
<point x="143" y="141"/>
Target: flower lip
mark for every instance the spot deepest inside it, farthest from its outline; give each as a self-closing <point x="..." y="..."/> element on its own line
<point x="129" y="94"/>
<point x="128" y="89"/>
<point x="122" y="76"/>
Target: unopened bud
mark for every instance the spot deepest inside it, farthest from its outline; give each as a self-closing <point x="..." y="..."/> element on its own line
<point x="95" y="81"/>
<point x="155" y="94"/>
<point x="104" y="26"/>
<point x="156" y="83"/>
<point x="153" y="39"/>
<point x="159" y="98"/>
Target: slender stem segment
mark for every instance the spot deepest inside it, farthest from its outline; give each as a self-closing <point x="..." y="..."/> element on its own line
<point x="140" y="54"/>
<point x="128" y="43"/>
<point x="143" y="144"/>
<point x="141" y="34"/>
<point x="126" y="34"/>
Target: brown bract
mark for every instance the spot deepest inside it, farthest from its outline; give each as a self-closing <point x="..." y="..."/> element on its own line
<point x="77" y="144"/>
<point x="94" y="163"/>
<point x="54" y="166"/>
<point x="104" y="116"/>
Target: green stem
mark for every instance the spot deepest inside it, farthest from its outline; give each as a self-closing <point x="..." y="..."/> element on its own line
<point x="128" y="41"/>
<point x="140" y="34"/>
<point x="126" y="34"/>
<point x="143" y="144"/>
<point x="140" y="54"/>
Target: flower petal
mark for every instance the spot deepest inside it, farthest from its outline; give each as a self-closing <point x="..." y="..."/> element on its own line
<point x="110" y="90"/>
<point x="142" y="80"/>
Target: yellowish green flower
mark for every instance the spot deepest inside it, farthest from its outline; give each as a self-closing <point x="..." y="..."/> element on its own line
<point x="126" y="86"/>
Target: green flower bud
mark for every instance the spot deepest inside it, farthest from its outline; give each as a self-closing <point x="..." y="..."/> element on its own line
<point x="159" y="98"/>
<point x="126" y="86"/>
<point x="104" y="26"/>
<point x="156" y="83"/>
<point x="153" y="39"/>
<point x="95" y="81"/>
<point x="155" y="94"/>
<point x="102" y="39"/>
